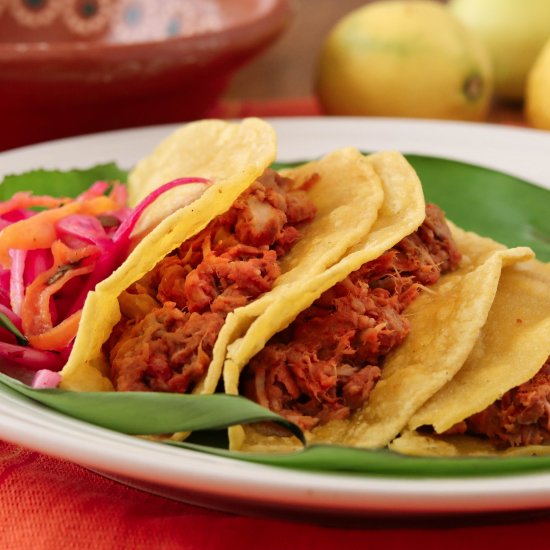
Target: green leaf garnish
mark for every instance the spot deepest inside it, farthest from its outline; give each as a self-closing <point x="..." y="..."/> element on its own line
<point x="6" y="323"/>
<point x="381" y="462"/>
<point x="148" y="413"/>
<point x="60" y="183"/>
<point x="508" y="209"/>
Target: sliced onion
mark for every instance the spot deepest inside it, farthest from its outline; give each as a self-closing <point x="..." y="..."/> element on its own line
<point x="96" y="190"/>
<point x="14" y="216"/>
<point x="32" y="358"/>
<point x="45" y="379"/>
<point x="37" y="262"/>
<point x="5" y="287"/>
<point x="17" y="286"/>
<point x="78" y="230"/>
<point x="120" y="195"/>
<point x="126" y="227"/>
<point x="110" y="259"/>
<point x="75" y="231"/>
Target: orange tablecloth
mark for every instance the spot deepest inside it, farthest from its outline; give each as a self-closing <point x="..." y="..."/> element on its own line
<point x="52" y="504"/>
<point x="47" y="503"/>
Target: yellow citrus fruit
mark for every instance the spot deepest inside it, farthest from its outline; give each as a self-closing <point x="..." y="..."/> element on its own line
<point x="513" y="31"/>
<point x="537" y="96"/>
<point x="407" y="59"/>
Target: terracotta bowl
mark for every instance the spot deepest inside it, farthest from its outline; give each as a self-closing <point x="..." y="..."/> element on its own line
<point x="69" y="67"/>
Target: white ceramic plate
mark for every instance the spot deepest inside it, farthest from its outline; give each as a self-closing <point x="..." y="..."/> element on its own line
<point x="237" y="486"/>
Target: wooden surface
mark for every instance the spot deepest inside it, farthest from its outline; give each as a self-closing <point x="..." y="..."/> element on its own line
<point x="287" y="68"/>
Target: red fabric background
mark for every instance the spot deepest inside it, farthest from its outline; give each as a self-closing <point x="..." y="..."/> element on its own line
<point x="49" y="504"/>
<point x="46" y="503"/>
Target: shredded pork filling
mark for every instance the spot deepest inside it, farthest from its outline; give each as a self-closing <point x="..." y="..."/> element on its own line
<point x="171" y="318"/>
<point x="326" y="363"/>
<point x="520" y="417"/>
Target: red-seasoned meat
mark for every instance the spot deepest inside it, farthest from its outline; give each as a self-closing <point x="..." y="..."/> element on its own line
<point x="227" y="265"/>
<point x="298" y="207"/>
<point x="259" y="223"/>
<point x="357" y="388"/>
<point x="520" y="417"/>
<point x="171" y="275"/>
<point x="235" y="277"/>
<point x="269" y="206"/>
<point x="167" y="350"/>
<point x="326" y="363"/>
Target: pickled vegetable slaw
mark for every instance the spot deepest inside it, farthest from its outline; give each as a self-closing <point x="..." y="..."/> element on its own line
<point x="53" y="251"/>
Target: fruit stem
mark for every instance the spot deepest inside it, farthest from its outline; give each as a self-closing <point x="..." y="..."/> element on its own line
<point x="473" y="87"/>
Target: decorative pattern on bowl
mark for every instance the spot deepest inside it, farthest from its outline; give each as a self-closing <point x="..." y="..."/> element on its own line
<point x="78" y="66"/>
<point x="112" y="20"/>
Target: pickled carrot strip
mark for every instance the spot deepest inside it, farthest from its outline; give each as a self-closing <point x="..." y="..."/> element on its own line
<point x="24" y="200"/>
<point x="36" y="315"/>
<point x="58" y="337"/>
<point x="39" y="231"/>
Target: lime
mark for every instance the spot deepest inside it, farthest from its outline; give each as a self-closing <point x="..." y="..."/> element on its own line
<point x="513" y="31"/>
<point x="407" y="59"/>
<point x="537" y="97"/>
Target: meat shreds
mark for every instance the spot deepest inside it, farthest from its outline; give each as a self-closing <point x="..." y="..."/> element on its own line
<point x="520" y="417"/>
<point x="171" y="318"/>
<point x="168" y="350"/>
<point x="326" y="363"/>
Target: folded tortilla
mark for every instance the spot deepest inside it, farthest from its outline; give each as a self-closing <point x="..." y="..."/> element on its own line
<point x="347" y="194"/>
<point x="510" y="350"/>
<point x="446" y="321"/>
<point x="365" y="205"/>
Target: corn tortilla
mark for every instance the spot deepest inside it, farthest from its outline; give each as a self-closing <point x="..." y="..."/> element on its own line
<point x="402" y="213"/>
<point x="511" y="348"/>
<point x="348" y="196"/>
<point x="445" y="323"/>
<point x="236" y="155"/>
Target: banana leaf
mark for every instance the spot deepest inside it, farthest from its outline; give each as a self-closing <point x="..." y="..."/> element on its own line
<point x="491" y="203"/>
<point x="60" y="183"/>
<point x="151" y="413"/>
<point x="508" y="209"/>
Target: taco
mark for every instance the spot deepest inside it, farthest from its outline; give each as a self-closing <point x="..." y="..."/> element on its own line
<point x="498" y="402"/>
<point x="356" y="350"/>
<point x="200" y="278"/>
